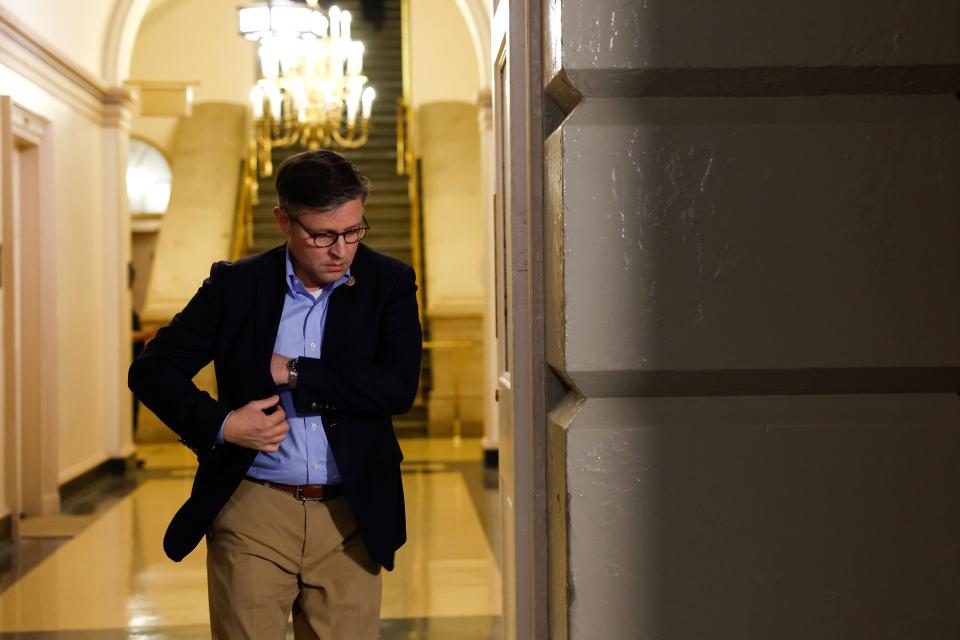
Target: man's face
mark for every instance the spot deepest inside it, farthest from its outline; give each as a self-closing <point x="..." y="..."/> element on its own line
<point x="319" y="266"/>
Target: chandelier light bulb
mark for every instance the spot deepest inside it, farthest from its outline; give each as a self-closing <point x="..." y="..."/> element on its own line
<point x="334" y="16"/>
<point x="269" y="58"/>
<point x="367" y="101"/>
<point x="355" y="59"/>
<point x="336" y="59"/>
<point x="345" y="19"/>
<point x="353" y="105"/>
<point x="256" y="101"/>
<point x="276" y="101"/>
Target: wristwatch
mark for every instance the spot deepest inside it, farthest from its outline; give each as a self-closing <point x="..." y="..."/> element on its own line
<point x="292" y="369"/>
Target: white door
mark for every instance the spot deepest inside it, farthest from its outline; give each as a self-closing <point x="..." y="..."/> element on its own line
<point x="30" y="484"/>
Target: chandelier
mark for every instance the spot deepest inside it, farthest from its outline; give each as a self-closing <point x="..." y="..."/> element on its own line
<point x="312" y="90"/>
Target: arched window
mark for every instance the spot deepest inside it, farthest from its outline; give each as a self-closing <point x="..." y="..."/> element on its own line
<point x="148" y="178"/>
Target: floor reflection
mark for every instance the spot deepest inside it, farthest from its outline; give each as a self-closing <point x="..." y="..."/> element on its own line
<point x="113" y="581"/>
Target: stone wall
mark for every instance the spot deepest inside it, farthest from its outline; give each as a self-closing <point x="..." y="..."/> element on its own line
<point x="752" y="272"/>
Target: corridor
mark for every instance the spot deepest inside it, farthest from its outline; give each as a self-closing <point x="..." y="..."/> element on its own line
<point x="99" y="571"/>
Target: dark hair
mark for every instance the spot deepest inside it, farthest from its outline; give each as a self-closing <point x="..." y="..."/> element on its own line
<point x="321" y="180"/>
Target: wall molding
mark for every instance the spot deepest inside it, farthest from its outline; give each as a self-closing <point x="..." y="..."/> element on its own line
<point x="111" y="466"/>
<point x="27" y="125"/>
<point x="28" y="54"/>
<point x="476" y="15"/>
<point x="125" y="22"/>
<point x="66" y="476"/>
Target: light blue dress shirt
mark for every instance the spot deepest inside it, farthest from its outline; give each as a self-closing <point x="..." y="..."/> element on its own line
<point x="304" y="456"/>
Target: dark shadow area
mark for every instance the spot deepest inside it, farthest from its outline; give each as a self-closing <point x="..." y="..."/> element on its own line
<point x="94" y="497"/>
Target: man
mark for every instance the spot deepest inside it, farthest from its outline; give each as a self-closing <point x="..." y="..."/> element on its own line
<point x="316" y="344"/>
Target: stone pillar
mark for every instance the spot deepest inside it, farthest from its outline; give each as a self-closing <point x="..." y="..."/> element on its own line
<point x="115" y="217"/>
<point x="752" y="309"/>
<point x="453" y="228"/>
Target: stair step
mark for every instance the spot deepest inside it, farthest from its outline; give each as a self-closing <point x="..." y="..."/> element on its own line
<point x="398" y="232"/>
<point x="388" y="213"/>
<point x="375" y="209"/>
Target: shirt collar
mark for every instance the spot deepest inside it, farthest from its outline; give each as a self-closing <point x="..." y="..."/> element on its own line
<point x="295" y="285"/>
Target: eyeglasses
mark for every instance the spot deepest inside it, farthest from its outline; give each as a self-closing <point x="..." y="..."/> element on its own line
<point x="321" y="239"/>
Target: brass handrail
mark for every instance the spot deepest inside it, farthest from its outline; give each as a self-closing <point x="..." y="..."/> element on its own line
<point x="406" y="157"/>
<point x="247" y="197"/>
<point x="416" y="247"/>
<point x="407" y="165"/>
<point x="401" y="137"/>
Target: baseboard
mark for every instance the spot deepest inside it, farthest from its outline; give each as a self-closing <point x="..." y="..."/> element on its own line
<point x="491" y="458"/>
<point x="109" y="467"/>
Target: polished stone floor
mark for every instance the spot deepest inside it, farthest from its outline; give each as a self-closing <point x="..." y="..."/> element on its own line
<point x="112" y="580"/>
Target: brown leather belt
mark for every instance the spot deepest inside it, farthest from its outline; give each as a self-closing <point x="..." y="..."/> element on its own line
<point x="318" y="492"/>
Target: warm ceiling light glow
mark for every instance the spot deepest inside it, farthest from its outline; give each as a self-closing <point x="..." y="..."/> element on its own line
<point x="253" y="20"/>
<point x="311" y="91"/>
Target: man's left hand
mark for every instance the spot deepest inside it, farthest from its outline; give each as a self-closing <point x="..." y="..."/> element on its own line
<point x="278" y="369"/>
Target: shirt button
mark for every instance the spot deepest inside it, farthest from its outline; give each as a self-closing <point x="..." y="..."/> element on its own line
<point x="313" y="345"/>
<point x="316" y="466"/>
<point x="313" y="425"/>
<point x="313" y="405"/>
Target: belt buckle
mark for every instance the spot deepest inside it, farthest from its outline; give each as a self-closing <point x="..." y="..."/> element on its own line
<point x="298" y="495"/>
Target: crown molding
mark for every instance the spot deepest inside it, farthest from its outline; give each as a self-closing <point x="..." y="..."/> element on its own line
<point x="28" y="54"/>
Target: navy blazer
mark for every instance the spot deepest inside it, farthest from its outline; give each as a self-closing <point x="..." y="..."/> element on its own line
<point x="369" y="370"/>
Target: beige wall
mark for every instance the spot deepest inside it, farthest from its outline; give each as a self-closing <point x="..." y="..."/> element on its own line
<point x="196" y="40"/>
<point x="192" y="40"/>
<point x="158" y="131"/>
<point x="80" y="247"/>
<point x="74" y="183"/>
<point x="50" y="63"/>
<point x="74" y="29"/>
<point x="453" y="229"/>
<point x="443" y="62"/>
<point x="452" y="205"/>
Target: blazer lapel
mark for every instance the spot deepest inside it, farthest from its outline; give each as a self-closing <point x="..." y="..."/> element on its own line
<point x="342" y="298"/>
<point x="269" y="295"/>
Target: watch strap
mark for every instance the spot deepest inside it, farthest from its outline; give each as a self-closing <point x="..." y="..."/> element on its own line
<point x="293" y="369"/>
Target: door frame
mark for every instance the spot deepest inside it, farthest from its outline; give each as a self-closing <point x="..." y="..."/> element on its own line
<point x="521" y="385"/>
<point x="28" y="262"/>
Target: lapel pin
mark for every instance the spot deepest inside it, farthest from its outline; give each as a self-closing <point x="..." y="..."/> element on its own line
<point x="350" y="281"/>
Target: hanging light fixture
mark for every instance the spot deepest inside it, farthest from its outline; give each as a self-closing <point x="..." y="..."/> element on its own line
<point x="312" y="90"/>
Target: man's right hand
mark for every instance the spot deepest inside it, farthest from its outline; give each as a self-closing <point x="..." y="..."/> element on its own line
<point x="250" y="427"/>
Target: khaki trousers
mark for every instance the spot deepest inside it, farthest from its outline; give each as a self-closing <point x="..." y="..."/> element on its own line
<point x="269" y="553"/>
